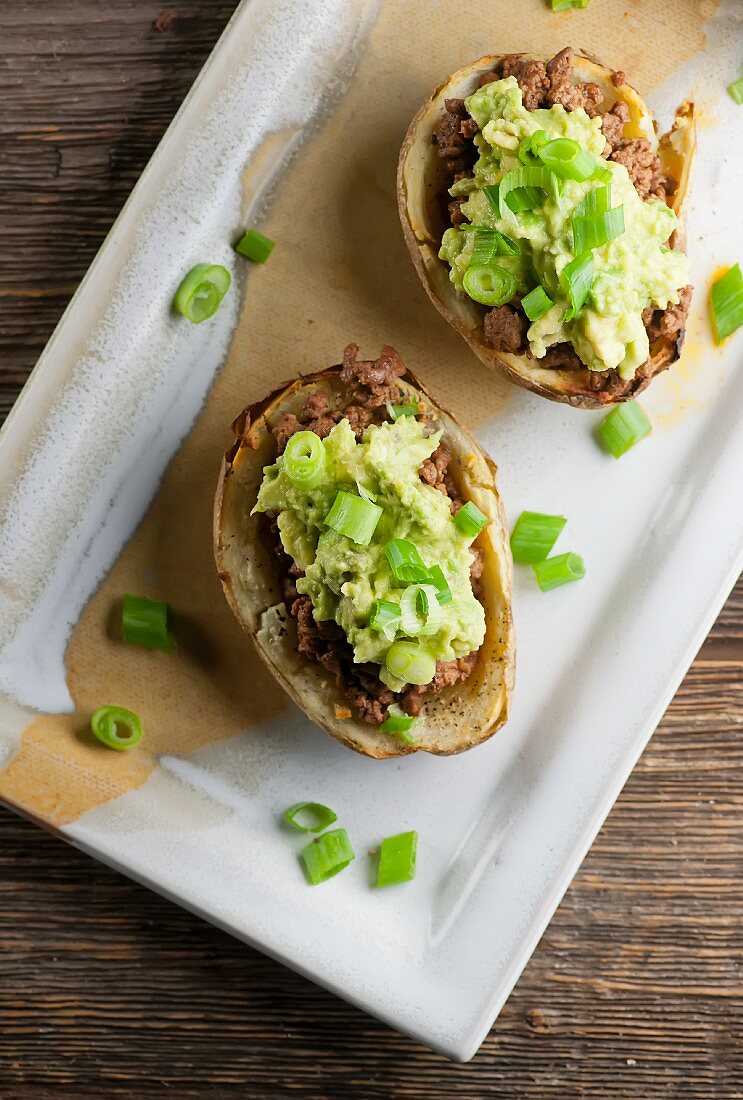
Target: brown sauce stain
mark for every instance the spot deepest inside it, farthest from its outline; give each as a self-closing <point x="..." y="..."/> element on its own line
<point x="340" y="272"/>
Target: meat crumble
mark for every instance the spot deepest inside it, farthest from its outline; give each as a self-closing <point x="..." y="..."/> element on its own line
<point x="372" y="383"/>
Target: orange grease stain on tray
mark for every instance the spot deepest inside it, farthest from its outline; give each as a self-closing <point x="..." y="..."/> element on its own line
<point x="340" y="272"/>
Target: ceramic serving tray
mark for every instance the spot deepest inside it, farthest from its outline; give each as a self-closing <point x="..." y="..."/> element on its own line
<point x="108" y="465"/>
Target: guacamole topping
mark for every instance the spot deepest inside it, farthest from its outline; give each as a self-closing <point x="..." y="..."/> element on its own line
<point x="343" y="579"/>
<point x="631" y="272"/>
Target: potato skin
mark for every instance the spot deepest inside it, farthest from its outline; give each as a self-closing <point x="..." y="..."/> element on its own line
<point x="460" y="717"/>
<point x="419" y="184"/>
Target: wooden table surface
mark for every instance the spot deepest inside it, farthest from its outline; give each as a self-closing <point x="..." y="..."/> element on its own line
<point x="107" y="990"/>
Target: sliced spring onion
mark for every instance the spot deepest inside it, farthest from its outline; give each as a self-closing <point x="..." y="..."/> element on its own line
<point x="201" y="292"/>
<point x="405" y="561"/>
<point x="726" y="297"/>
<point x="625" y="425"/>
<point x="396" y="411"/>
<point x="309" y="817"/>
<point x="397" y="721"/>
<point x="566" y="5"/>
<point x="365" y="493"/>
<point x="536" y="303"/>
<point x="595" y="201"/>
<point x="354" y="517"/>
<point x="567" y="159"/>
<point x="534" y="536"/>
<point x="524" y="198"/>
<point x="397" y="859"/>
<point x="594" y="230"/>
<point x="490" y="243"/>
<point x="410" y="663"/>
<point x="528" y="146"/>
<point x="552" y="572"/>
<point x="326" y="855"/>
<point x="602" y="173"/>
<point x="736" y="90"/>
<point x="385" y="617"/>
<point x="576" y="278"/>
<point x="539" y="177"/>
<point x="470" y="520"/>
<point x="116" y="727"/>
<point x="420" y="611"/>
<point x="145" y="622"/>
<point x="254" y="246"/>
<point x="490" y="286"/>
<point x="436" y="577"/>
<point x="305" y="460"/>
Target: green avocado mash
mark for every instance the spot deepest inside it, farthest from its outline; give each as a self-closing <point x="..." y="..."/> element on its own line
<point x="631" y="272"/>
<point x="342" y="578"/>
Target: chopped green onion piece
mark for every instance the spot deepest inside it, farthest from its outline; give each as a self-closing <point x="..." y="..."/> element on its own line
<point x="116" y="727"/>
<point x="594" y="230"/>
<point x="410" y="663"/>
<point x="529" y="146"/>
<point x="385" y="616"/>
<point x="254" y="246"/>
<point x="309" y="817"/>
<point x="552" y="572"/>
<point x="602" y="173"/>
<point x="470" y="520"/>
<point x="576" y="278"/>
<point x="726" y="297"/>
<point x="595" y="201"/>
<point x="565" y="5"/>
<point x="396" y="411"/>
<point x="326" y="855"/>
<point x="490" y="286"/>
<point x="490" y="243"/>
<point x="530" y="177"/>
<point x="420" y="611"/>
<point x="354" y="517"/>
<point x="534" y="536"/>
<point x="567" y="159"/>
<point x="405" y="561"/>
<point x="364" y="492"/>
<point x="397" y="859"/>
<point x="524" y="198"/>
<point x="625" y="425"/>
<point x="397" y="721"/>
<point x="438" y="580"/>
<point x="305" y="460"/>
<point x="736" y="90"/>
<point x="491" y="192"/>
<point x="145" y="622"/>
<point x="201" y="292"/>
<point x="536" y="303"/>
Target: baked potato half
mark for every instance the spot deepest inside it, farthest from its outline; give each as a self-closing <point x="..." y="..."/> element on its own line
<point x="252" y="569"/>
<point x="425" y="174"/>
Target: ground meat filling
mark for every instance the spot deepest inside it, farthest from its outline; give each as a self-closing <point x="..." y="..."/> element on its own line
<point x="373" y="384"/>
<point x="543" y="85"/>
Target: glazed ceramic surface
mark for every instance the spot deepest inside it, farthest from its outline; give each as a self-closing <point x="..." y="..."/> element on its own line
<point x="110" y="457"/>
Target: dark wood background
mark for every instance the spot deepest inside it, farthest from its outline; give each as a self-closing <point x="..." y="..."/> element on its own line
<point x="108" y="991"/>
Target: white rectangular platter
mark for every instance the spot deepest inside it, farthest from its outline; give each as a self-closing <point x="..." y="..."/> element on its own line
<point x="503" y="828"/>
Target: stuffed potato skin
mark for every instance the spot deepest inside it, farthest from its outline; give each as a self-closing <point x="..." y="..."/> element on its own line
<point x="420" y="180"/>
<point x="462" y="715"/>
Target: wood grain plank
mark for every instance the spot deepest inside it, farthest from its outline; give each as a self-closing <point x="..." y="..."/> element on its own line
<point x="108" y="990"/>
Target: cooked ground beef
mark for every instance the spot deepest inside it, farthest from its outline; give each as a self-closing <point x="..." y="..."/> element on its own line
<point x="543" y="85"/>
<point x="668" y="322"/>
<point x="447" y="673"/>
<point x="644" y="167"/>
<point x="505" y="328"/>
<point x="560" y="357"/>
<point x="374" y="387"/>
<point x="374" y="383"/>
